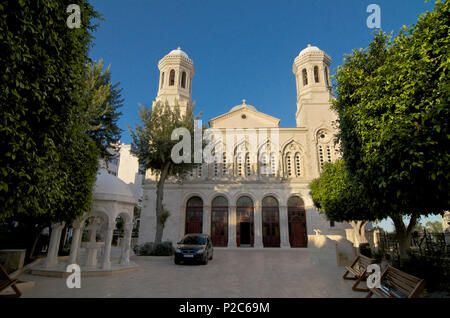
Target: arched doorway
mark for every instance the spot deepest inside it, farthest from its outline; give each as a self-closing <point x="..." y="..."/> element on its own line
<point x="297" y="222"/>
<point x="244" y="221"/>
<point x="194" y="215"/>
<point x="219" y="221"/>
<point x="270" y="222"/>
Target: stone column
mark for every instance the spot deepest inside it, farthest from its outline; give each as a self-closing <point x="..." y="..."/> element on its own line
<point x="106" y="263"/>
<point x="76" y="239"/>
<point x="91" y="252"/>
<point x="206" y="219"/>
<point x="284" y="227"/>
<point x="126" y="244"/>
<point x="53" y="246"/>
<point x="258" y="243"/>
<point x="232" y="227"/>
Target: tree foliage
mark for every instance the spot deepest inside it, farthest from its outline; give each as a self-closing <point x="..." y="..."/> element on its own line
<point x="340" y="198"/>
<point x="102" y="101"/>
<point x="434" y="227"/>
<point x="48" y="162"/>
<point x="393" y="108"/>
<point x="393" y="105"/>
<point x="152" y="144"/>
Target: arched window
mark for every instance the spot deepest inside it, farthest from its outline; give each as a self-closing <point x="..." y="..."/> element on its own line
<point x="273" y="163"/>
<point x="297" y="222"/>
<point x="248" y="168"/>
<point x="224" y="164"/>
<point x="305" y="77"/>
<point x="194" y="215"/>
<point x="183" y="79"/>
<point x="220" y="201"/>
<point x="264" y="163"/>
<point x="270" y="201"/>
<point x="295" y="201"/>
<point x="316" y="74"/>
<point x="239" y="164"/>
<point x="244" y="202"/>
<point x="321" y="161"/>
<point x="328" y="153"/>
<point x="270" y="222"/>
<point x="162" y="80"/>
<point x="172" y="78"/>
<point x="326" y="75"/>
<point x="297" y="164"/>
<point x="219" y="221"/>
<point x="195" y="202"/>
<point x="289" y="164"/>
<point x="244" y="221"/>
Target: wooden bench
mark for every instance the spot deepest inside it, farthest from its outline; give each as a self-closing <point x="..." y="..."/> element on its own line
<point x="6" y="281"/>
<point x="398" y="284"/>
<point x="359" y="271"/>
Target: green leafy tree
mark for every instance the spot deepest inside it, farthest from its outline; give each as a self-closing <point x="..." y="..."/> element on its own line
<point x="152" y="144"/>
<point x="102" y="101"/>
<point x="418" y="227"/>
<point x="342" y="199"/>
<point x="393" y="108"/>
<point x="41" y="67"/>
<point x="434" y="227"/>
<point x="53" y="125"/>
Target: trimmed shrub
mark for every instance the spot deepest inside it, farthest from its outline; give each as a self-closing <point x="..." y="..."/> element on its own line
<point x="163" y="249"/>
<point x="151" y="249"/>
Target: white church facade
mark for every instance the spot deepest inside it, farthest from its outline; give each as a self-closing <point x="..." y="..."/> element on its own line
<point x="256" y="195"/>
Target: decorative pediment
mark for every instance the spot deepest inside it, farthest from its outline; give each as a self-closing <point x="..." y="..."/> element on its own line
<point x="244" y="116"/>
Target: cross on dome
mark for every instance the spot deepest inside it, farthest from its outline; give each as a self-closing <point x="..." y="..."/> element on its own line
<point x="243" y="102"/>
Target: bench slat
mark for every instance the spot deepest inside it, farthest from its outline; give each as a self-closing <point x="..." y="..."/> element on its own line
<point x="407" y="278"/>
<point x="397" y="284"/>
<point x="402" y="281"/>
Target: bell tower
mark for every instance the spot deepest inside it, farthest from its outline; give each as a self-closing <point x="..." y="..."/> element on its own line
<point x="311" y="68"/>
<point x="175" y="79"/>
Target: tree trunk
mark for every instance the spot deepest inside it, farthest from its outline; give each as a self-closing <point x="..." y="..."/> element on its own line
<point x="33" y="247"/>
<point x="62" y="242"/>
<point x="403" y="233"/>
<point x="359" y="231"/>
<point x="159" y="200"/>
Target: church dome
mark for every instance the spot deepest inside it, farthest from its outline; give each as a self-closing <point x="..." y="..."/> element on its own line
<point x="111" y="186"/>
<point x="309" y="49"/>
<point x="178" y="51"/>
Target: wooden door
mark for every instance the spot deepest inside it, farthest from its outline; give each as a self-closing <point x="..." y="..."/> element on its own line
<point x="194" y="219"/>
<point x="297" y="227"/>
<point x="271" y="227"/>
<point x="219" y="225"/>
<point x="244" y="215"/>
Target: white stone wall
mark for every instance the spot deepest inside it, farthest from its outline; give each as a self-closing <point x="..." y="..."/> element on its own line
<point x="314" y="131"/>
<point x="176" y="196"/>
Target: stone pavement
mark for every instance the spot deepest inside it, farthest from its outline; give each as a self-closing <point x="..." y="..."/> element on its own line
<point x="239" y="273"/>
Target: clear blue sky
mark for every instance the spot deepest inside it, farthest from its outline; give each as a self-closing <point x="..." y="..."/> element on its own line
<point x="240" y="48"/>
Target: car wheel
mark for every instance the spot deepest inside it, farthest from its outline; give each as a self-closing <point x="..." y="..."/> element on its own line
<point x="177" y="262"/>
<point x="210" y="258"/>
<point x="205" y="261"/>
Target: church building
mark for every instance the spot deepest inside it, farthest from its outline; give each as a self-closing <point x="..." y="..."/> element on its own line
<point x="257" y="194"/>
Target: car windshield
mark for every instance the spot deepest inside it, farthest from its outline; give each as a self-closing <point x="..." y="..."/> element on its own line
<point x="194" y="240"/>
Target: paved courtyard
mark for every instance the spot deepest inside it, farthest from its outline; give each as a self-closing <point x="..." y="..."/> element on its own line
<point x="232" y="273"/>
